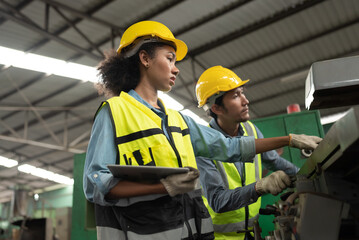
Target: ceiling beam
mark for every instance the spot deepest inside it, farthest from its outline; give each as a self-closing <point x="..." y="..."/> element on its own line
<point x="36" y="113"/>
<point x="296" y="44"/>
<point x="52" y="114"/>
<point x="79" y="31"/>
<point x="289" y="46"/>
<point x="44" y="98"/>
<point x="16" y="149"/>
<point x="6" y="126"/>
<point x="37" y="78"/>
<point x="65" y="27"/>
<point x="301" y="106"/>
<point x="83" y="15"/>
<point x="28" y="159"/>
<point x="210" y="17"/>
<point x="41" y="144"/>
<point x="49" y="35"/>
<point x="26" y="108"/>
<point x="17" y="12"/>
<point x="299" y="69"/>
<point x="146" y="16"/>
<point x="253" y="27"/>
<point x="304" y="67"/>
<point x="18" y="7"/>
<point x="276" y="95"/>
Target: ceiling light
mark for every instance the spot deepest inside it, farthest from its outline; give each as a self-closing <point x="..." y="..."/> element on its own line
<point x="34" y="62"/>
<point x="36" y="197"/>
<point x="39" y="172"/>
<point x="6" y="162"/>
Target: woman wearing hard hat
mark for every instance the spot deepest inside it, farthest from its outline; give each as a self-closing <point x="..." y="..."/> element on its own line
<point x="135" y="128"/>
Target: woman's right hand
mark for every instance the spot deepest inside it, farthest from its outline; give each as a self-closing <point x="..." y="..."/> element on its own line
<point x="181" y="183"/>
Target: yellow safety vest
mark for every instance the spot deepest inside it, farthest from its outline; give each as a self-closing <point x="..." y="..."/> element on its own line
<point x="141" y="139"/>
<point x="228" y="223"/>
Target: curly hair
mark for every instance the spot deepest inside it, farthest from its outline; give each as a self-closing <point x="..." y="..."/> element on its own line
<point x="122" y="74"/>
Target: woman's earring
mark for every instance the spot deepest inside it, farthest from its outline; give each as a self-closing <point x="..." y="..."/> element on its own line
<point x="146" y="65"/>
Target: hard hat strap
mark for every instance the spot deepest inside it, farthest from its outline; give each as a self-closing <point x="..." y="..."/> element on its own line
<point x="206" y="107"/>
<point x="211" y="100"/>
<point x="132" y="49"/>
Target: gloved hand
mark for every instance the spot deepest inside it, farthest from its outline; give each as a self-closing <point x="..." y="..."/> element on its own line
<point x="304" y="141"/>
<point x="181" y="183"/>
<point x="274" y="183"/>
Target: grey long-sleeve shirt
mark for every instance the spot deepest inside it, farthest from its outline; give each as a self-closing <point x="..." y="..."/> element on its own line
<point x="222" y="199"/>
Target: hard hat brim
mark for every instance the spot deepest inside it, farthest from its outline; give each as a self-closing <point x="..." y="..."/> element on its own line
<point x="181" y="47"/>
<point x="223" y="89"/>
<point x="181" y="50"/>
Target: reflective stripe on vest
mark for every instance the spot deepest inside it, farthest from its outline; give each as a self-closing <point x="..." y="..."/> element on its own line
<point x="233" y="221"/>
<point x="141" y="139"/>
<point x="179" y="217"/>
<point x="105" y="233"/>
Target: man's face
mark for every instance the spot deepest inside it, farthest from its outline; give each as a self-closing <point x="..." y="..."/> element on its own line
<point x="235" y="106"/>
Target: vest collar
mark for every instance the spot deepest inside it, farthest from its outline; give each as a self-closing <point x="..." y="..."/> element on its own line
<point x="161" y="112"/>
<point x="213" y="124"/>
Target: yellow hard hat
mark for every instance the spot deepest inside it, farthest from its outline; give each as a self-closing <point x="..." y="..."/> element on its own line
<point x="154" y="30"/>
<point x="215" y="80"/>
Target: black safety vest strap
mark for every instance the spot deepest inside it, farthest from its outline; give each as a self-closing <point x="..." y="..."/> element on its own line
<point x="184" y="132"/>
<point x="137" y="135"/>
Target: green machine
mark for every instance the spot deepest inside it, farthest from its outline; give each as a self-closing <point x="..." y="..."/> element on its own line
<point x="306" y="122"/>
<point x="83" y="214"/>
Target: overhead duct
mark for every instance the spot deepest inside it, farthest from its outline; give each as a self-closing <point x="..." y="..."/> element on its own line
<point x="20" y="202"/>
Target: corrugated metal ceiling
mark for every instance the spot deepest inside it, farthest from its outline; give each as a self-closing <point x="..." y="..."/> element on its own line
<point x="273" y="43"/>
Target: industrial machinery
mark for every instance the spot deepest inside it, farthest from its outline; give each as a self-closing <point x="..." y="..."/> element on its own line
<point x="324" y="203"/>
<point x="304" y="122"/>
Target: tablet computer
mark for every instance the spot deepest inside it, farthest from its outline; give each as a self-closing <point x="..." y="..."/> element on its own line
<point x="143" y="173"/>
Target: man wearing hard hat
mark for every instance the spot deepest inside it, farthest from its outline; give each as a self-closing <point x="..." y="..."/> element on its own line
<point x="232" y="190"/>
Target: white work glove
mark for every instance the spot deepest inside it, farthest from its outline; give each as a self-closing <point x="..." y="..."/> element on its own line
<point x="273" y="184"/>
<point x="181" y="183"/>
<point x="304" y="141"/>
